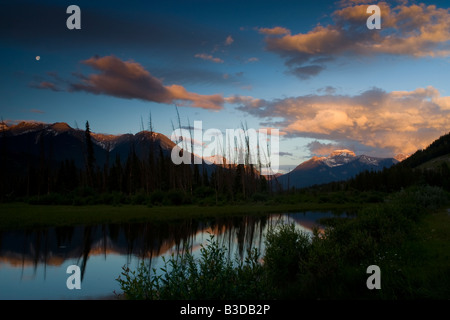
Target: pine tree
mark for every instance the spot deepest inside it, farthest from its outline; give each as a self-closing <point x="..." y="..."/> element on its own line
<point x="90" y="161"/>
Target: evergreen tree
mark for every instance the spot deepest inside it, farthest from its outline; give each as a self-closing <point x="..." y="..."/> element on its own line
<point x="90" y="157"/>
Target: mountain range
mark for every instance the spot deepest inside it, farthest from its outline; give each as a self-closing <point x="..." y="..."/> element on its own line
<point x="29" y="141"/>
<point x="339" y="165"/>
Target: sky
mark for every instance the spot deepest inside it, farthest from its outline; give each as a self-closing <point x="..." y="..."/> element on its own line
<point x="311" y="69"/>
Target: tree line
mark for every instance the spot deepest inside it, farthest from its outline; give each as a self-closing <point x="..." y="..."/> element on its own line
<point x="430" y="166"/>
<point x="151" y="174"/>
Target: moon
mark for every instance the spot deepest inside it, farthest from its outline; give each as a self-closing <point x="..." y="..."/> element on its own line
<point x="38" y="58"/>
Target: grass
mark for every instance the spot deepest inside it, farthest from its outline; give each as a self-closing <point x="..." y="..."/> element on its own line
<point x="429" y="266"/>
<point x="23" y="216"/>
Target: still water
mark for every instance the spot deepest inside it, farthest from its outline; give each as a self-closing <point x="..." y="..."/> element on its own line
<point x="33" y="263"/>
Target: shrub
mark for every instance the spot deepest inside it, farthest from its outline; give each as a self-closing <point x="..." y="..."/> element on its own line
<point x="175" y="197"/>
<point x="212" y="276"/>
<point x="138" y="199"/>
<point x="157" y="197"/>
<point x="286" y="250"/>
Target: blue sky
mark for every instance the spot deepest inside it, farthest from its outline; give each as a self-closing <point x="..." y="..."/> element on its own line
<point x="312" y="69"/>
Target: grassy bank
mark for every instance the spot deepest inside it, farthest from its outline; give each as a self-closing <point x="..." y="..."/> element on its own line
<point x="407" y="237"/>
<point x="22" y="215"/>
<point x="429" y="266"/>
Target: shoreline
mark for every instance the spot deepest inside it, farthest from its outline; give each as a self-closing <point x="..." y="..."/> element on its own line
<point x="14" y="216"/>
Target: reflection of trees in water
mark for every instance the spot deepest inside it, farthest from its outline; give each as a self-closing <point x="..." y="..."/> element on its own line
<point x="146" y="240"/>
<point x="86" y="249"/>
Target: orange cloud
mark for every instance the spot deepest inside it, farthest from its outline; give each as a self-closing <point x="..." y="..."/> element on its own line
<point x="268" y="130"/>
<point x="409" y="30"/>
<point x="130" y="80"/>
<point x="399" y="121"/>
<point x="323" y="149"/>
<point x="274" y="31"/>
<point x="201" y="101"/>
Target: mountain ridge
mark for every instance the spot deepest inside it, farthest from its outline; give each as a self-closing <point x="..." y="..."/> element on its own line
<point x="339" y="165"/>
<point x="60" y="142"/>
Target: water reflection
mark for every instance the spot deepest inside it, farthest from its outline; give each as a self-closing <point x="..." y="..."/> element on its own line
<point x="33" y="262"/>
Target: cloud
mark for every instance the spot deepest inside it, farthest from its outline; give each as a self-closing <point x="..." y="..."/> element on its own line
<point x="45" y="85"/>
<point x="306" y="71"/>
<point x="192" y="75"/>
<point x="324" y="149"/>
<point x="397" y="121"/>
<point x="37" y="111"/>
<point x="129" y="80"/>
<point x="281" y="154"/>
<point x="268" y="130"/>
<point x="274" y="31"/>
<point x="208" y="57"/>
<point x="328" y="90"/>
<point x="253" y="59"/>
<point x="229" y="40"/>
<point x="407" y="30"/>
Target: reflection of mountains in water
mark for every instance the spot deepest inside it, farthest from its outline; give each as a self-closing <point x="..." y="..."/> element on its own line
<point x="53" y="246"/>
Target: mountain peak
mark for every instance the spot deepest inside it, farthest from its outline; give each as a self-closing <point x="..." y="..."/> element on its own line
<point x="26" y="126"/>
<point x="60" y="127"/>
<point x="400" y="157"/>
<point x="342" y="152"/>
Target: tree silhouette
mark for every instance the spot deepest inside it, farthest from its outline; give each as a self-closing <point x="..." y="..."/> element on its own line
<point x="90" y="157"/>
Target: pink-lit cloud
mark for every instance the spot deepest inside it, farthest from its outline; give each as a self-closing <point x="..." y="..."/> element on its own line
<point x="130" y="80"/>
<point x="413" y="30"/>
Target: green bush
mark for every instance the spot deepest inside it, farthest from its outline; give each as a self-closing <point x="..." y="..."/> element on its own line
<point x="286" y="251"/>
<point x="139" y="199"/>
<point x="212" y="276"/>
<point x="157" y="197"/>
<point x="175" y="197"/>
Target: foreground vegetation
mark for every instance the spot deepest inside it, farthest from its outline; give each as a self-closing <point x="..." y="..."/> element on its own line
<point x="407" y="236"/>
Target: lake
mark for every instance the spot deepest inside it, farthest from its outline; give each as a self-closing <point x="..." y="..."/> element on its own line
<point x="33" y="263"/>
